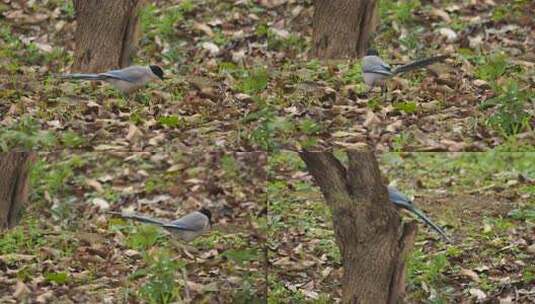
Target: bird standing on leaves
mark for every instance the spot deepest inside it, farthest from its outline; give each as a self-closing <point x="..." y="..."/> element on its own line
<point x="375" y="71"/>
<point x="126" y="80"/>
<point x="186" y="228"/>
<point x="401" y="200"/>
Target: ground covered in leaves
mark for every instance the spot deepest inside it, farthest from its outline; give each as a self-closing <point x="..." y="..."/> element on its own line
<point x="486" y="202"/>
<point x="68" y="249"/>
<point x="241" y="78"/>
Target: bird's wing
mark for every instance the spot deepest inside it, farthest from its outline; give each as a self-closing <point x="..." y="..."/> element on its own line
<point x="397" y="197"/>
<point x="419" y="64"/>
<point x="130" y="74"/>
<point x="374" y="64"/>
<point x="194" y="221"/>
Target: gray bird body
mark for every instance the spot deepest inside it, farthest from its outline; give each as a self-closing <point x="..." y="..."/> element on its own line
<point x="126" y="80"/>
<point x="186" y="228"/>
<point x="401" y="200"/>
<point x="189" y="226"/>
<point x="375" y="71"/>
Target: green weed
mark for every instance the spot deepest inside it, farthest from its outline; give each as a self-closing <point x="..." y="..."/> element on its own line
<point x="528" y="274"/>
<point x="161" y="272"/>
<point x="171" y="121"/>
<point x="400" y="11"/>
<point x="492" y="67"/>
<point x="27" y="134"/>
<point x="279" y="294"/>
<point x="25" y="238"/>
<point x="144" y="237"/>
<point x="72" y="140"/>
<point x="253" y="81"/>
<point x="511" y="116"/>
<point x="242" y="256"/>
<point x="423" y="268"/>
<point x="230" y="167"/>
<point x="54" y="178"/>
<point x="523" y="214"/>
<point x="263" y="135"/>
<point x="406" y="106"/>
<point x="292" y="43"/>
<point x="353" y="74"/>
<point x="400" y="141"/>
<point x="155" y="22"/>
<point x="57" y="277"/>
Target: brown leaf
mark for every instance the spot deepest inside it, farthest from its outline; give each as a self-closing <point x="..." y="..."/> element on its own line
<point x="469" y="274"/>
<point x="203" y="27"/>
<point x="93" y="183"/>
<point x="441" y="14"/>
<point x="21" y="291"/>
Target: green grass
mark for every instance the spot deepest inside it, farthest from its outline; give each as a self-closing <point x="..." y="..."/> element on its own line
<point x="472" y="170"/>
<point x="491" y="67"/>
<point x="171" y="121"/>
<point x="57" y="277"/>
<point x="400" y="11"/>
<point x="21" y="54"/>
<point x="54" y="178"/>
<point x="429" y="270"/>
<point x="27" y="134"/>
<point x="291" y="44"/>
<point x="242" y="256"/>
<point x="161" y="273"/>
<point x="511" y="116"/>
<point x="278" y="293"/>
<point x="406" y="106"/>
<point x="160" y="22"/>
<point x="253" y="81"/>
<point x="23" y="239"/>
<point x="230" y="167"/>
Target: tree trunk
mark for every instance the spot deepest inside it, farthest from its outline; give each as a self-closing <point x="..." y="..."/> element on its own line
<point x="14" y="186"/>
<point x="106" y="34"/>
<point x="368" y="229"/>
<point x="342" y="28"/>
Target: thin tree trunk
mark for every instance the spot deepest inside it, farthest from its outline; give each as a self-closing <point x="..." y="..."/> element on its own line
<point x="106" y="34"/>
<point x="368" y="229"/>
<point x="342" y="28"/>
<point x="14" y="186"/>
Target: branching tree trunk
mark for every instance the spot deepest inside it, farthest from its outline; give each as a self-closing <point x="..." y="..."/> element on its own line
<point x="342" y="28"/>
<point x="106" y="34"/>
<point x="368" y="229"/>
<point x="14" y="186"/>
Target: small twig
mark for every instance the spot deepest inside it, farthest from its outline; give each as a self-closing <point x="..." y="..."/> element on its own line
<point x="186" y="288"/>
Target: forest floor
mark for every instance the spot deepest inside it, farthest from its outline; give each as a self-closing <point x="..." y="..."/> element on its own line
<point x="240" y="79"/>
<point x="69" y="249"/>
<point x="484" y="200"/>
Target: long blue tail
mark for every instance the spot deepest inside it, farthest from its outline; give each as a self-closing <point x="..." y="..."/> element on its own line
<point x="419" y="64"/>
<point x="140" y="218"/>
<point x="83" y="76"/>
<point x="419" y="213"/>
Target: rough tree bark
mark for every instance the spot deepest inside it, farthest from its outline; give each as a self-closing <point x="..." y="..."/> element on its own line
<point x="372" y="239"/>
<point x="14" y="186"/>
<point x="342" y="28"/>
<point x="106" y="34"/>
